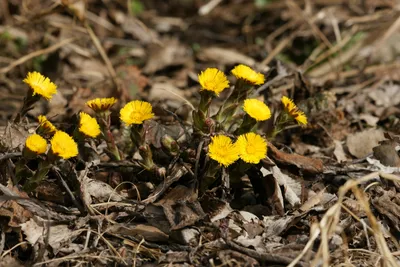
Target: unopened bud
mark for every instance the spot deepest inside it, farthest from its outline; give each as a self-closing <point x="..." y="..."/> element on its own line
<point x="170" y="144"/>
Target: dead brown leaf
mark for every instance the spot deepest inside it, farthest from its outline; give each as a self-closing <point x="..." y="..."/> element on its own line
<point x="14" y="212"/>
<point x="148" y="232"/>
<point x="177" y="209"/>
<point x="309" y="165"/>
<point x="361" y="144"/>
<point x="386" y="153"/>
<point x="171" y="53"/>
<point x="224" y="56"/>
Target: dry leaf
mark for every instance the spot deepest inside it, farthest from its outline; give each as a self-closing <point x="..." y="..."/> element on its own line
<point x="224" y="56"/>
<point x="386" y="153"/>
<point x="361" y="144"/>
<point x="101" y="192"/>
<point x="292" y="188"/>
<point x="339" y="151"/>
<point x="148" y="232"/>
<point x="306" y="164"/>
<point x="171" y="53"/>
<point x="59" y="235"/>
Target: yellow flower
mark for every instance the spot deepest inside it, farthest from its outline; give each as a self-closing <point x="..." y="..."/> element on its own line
<point x="252" y="147"/>
<point x="293" y="110"/>
<point x="40" y="85"/>
<point x="135" y="112"/>
<point x="247" y="74"/>
<point x="36" y="144"/>
<point x="223" y="150"/>
<point x="45" y="126"/>
<point x="63" y="145"/>
<point x="214" y="80"/>
<point x="257" y="109"/>
<point x="101" y="104"/>
<point x="88" y="125"/>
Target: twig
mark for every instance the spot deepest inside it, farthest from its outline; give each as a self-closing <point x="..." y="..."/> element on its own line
<point x="2" y="240"/>
<point x="74" y="200"/>
<point x="103" y="55"/>
<point x="177" y="172"/>
<point x="392" y="29"/>
<point x="36" y="54"/>
<point x="198" y="154"/>
<point x="136" y="252"/>
<point x="87" y="238"/>
<point x="263" y="257"/>
<point x="316" y="31"/>
<point x="207" y="8"/>
<point x="11" y="249"/>
<point x="282" y="45"/>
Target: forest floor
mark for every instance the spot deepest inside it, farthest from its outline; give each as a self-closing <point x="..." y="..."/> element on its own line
<point x="327" y="194"/>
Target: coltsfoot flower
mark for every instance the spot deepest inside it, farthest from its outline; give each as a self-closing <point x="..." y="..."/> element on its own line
<point x="40" y="85"/>
<point x="36" y="144"/>
<point x="256" y="109"/>
<point x="252" y="147"/>
<point x="45" y="126"/>
<point x="247" y="74"/>
<point x="136" y="112"/>
<point x="88" y="125"/>
<point x="223" y="150"/>
<point x="63" y="145"/>
<point x="214" y="80"/>
<point x="293" y="110"/>
<point x="101" y="104"/>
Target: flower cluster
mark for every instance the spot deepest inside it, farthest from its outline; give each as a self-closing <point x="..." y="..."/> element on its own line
<point x="249" y="147"/>
<point x="231" y="133"/>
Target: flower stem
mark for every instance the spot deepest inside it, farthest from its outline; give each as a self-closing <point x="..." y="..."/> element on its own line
<point x="109" y="137"/>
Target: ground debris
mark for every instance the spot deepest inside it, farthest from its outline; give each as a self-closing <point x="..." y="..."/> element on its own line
<point x="328" y="192"/>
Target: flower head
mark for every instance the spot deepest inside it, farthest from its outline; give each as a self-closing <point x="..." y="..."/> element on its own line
<point x="247" y="74"/>
<point x="88" y="125"/>
<point x="223" y="150"/>
<point x="293" y="110"/>
<point x="257" y="109"/>
<point x="101" y="104"/>
<point x="214" y="80"/>
<point x="252" y="147"/>
<point x="45" y="126"/>
<point x="40" y="85"/>
<point x="63" y="145"/>
<point x="135" y="112"/>
<point x="36" y="144"/>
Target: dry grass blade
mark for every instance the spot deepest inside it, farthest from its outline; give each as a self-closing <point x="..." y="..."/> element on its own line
<point x="103" y="55"/>
<point x="36" y="54"/>
<point x="329" y="223"/>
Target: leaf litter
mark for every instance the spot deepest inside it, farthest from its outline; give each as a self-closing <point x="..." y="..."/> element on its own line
<point x="326" y="195"/>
